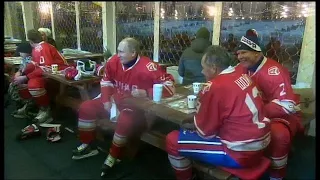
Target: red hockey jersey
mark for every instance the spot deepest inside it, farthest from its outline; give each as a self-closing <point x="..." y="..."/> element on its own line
<point x="230" y="107"/>
<point x="120" y="81"/>
<point x="274" y="82"/>
<point x="44" y="55"/>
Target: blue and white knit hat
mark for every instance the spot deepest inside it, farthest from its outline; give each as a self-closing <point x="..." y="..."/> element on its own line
<point x="250" y="43"/>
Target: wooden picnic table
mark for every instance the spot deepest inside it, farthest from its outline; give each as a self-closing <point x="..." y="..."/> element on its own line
<point x="13" y="60"/>
<point x="17" y="60"/>
<point x="162" y="110"/>
<point x="80" y="56"/>
<point x="167" y="109"/>
<point x="74" y="57"/>
<point x="176" y="115"/>
<point x="82" y="85"/>
<point x="11" y="51"/>
<point x="11" y="65"/>
<point x="165" y="65"/>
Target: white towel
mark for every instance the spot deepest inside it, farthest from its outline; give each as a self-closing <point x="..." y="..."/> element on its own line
<point x="114" y="112"/>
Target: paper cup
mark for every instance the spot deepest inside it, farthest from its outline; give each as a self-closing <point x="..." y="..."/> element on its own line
<point x="191" y="101"/>
<point x="54" y="68"/>
<point x="196" y="87"/>
<point x="157" y="92"/>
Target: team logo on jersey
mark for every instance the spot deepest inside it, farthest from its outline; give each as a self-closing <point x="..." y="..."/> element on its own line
<point x="243" y="81"/>
<point x="273" y="71"/>
<point x="38" y="48"/>
<point x="151" y="66"/>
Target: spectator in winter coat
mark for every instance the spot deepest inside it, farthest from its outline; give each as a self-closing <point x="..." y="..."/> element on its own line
<point x="190" y="61"/>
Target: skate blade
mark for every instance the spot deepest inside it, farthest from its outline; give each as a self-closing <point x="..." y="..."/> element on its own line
<point x="47" y="125"/>
<point x="92" y="153"/>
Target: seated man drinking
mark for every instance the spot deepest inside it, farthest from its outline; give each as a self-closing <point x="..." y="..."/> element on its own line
<point x="229" y="129"/>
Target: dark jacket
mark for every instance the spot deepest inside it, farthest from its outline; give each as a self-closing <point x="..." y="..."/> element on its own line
<point x="24" y="47"/>
<point x="190" y="62"/>
<point x="52" y="42"/>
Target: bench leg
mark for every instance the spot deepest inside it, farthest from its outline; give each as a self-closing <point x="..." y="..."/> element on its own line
<point x="132" y="147"/>
<point x="306" y="129"/>
<point x="99" y="136"/>
<point x="62" y="89"/>
<point x="84" y="93"/>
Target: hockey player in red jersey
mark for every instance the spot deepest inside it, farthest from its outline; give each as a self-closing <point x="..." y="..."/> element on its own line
<point x="281" y="104"/>
<point x="230" y="128"/>
<point x="126" y="74"/>
<point x="31" y="82"/>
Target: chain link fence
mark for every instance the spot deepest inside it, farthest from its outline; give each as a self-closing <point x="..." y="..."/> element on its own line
<point x="41" y="15"/>
<point x="18" y="31"/>
<point x="280" y="27"/>
<point x="135" y="19"/>
<point x="91" y="27"/>
<point x="64" y="16"/>
<point x="179" y="22"/>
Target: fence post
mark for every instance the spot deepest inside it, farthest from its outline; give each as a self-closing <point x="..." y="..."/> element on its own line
<point x="217" y="23"/>
<point x="156" y="31"/>
<point x="104" y="24"/>
<point x="109" y="26"/>
<point x="77" y="3"/>
<point x="306" y="68"/>
<point x="52" y="21"/>
<point x="7" y="19"/>
<point x="27" y="12"/>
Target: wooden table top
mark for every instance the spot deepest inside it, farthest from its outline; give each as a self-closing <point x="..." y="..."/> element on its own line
<point x="165" y="108"/>
<point x="166" y="64"/>
<point x="60" y="78"/>
<point x="13" y="60"/>
<point x="80" y="56"/>
<point x="12" y="50"/>
<point x="17" y="60"/>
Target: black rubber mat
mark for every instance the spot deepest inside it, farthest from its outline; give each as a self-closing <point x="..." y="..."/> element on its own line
<point x="39" y="159"/>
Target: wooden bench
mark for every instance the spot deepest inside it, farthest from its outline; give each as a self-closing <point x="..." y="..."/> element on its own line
<point x="60" y="84"/>
<point x="307" y="114"/>
<point x="307" y="105"/>
<point x="157" y="139"/>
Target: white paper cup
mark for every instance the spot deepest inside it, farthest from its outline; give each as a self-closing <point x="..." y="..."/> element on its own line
<point x="54" y="68"/>
<point x="196" y="87"/>
<point x="191" y="101"/>
<point x="157" y="92"/>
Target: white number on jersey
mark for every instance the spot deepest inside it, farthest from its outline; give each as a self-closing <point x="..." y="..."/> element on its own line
<point x="41" y="60"/>
<point x="252" y="107"/>
<point x="283" y="92"/>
